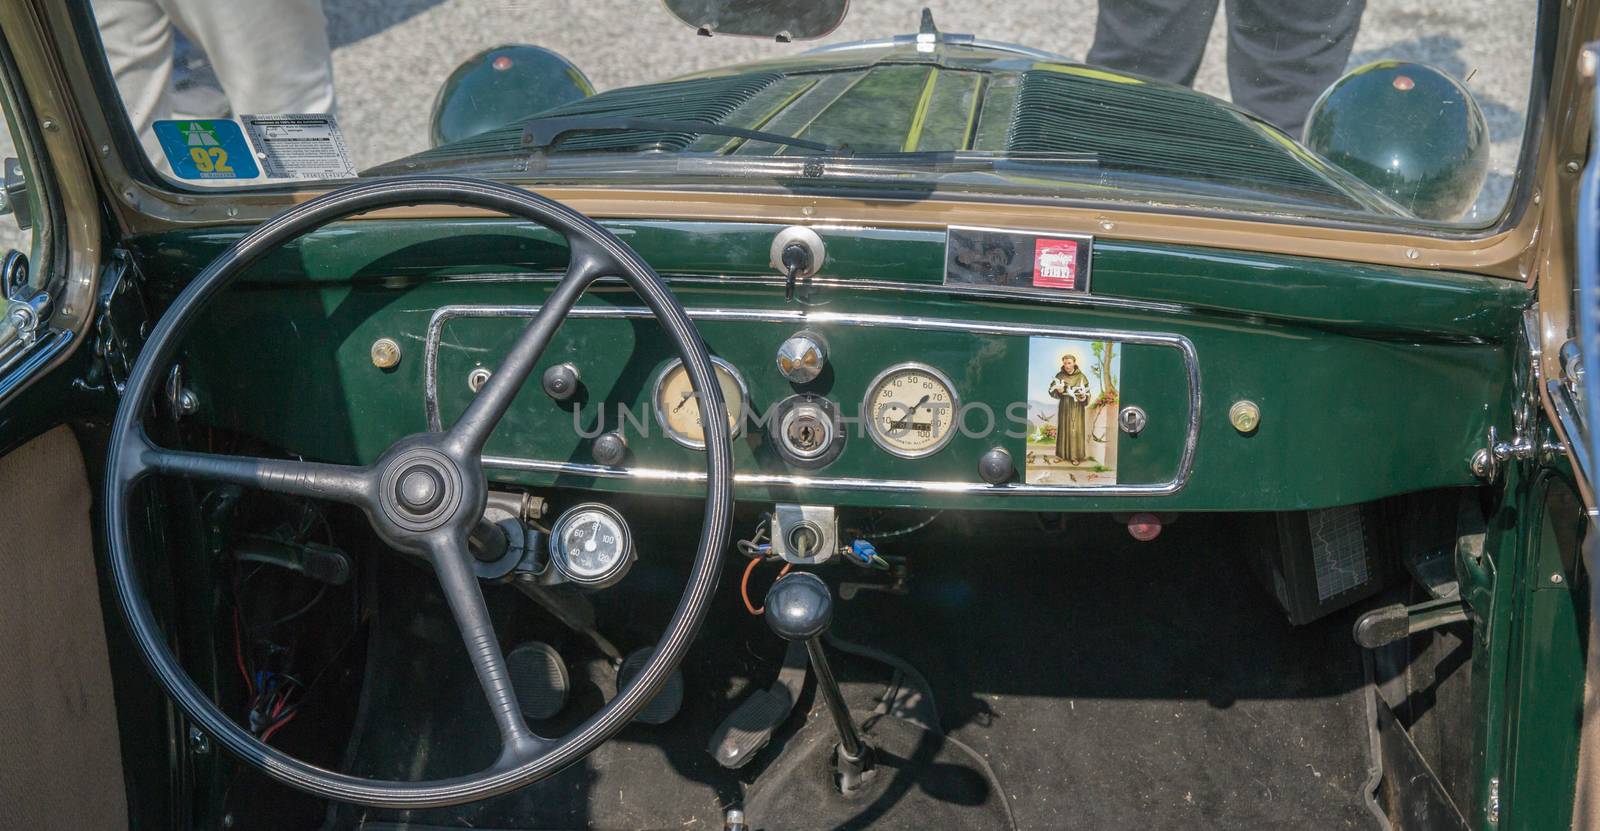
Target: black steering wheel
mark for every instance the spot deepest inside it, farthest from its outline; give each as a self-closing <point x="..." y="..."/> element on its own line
<point x="423" y="495"/>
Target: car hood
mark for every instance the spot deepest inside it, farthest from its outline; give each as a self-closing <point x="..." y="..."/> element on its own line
<point x="1139" y="134"/>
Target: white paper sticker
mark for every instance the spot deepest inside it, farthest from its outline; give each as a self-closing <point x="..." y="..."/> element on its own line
<point x="299" y="146"/>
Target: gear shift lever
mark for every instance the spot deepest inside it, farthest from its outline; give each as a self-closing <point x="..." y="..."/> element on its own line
<point x="799" y="608"/>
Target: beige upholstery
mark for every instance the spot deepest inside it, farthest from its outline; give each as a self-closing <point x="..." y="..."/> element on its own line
<point x="60" y="762"/>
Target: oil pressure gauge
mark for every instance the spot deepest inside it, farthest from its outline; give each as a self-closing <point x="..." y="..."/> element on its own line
<point x="591" y="546"/>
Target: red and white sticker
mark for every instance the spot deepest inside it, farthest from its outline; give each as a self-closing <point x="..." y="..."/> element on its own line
<point x="1055" y="263"/>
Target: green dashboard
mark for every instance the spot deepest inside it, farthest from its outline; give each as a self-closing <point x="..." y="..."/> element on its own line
<point x="1363" y="381"/>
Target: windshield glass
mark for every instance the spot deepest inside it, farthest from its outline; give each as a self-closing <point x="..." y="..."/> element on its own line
<point x="1404" y="110"/>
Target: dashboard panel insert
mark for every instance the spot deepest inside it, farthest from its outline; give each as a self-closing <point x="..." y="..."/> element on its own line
<point x="983" y="367"/>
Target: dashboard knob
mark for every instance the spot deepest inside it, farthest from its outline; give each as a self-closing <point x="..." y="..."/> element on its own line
<point x="561" y="381"/>
<point x="610" y="449"/>
<point x="995" y="466"/>
<point x="802" y="356"/>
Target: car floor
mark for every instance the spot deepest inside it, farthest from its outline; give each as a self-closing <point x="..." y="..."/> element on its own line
<point x="1103" y="683"/>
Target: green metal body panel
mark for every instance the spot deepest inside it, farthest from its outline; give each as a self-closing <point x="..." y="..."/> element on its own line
<point x="1379" y="381"/>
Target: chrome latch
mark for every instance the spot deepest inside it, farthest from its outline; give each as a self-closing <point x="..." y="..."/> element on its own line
<point x="14" y="195"/>
<point x="1487" y="460"/>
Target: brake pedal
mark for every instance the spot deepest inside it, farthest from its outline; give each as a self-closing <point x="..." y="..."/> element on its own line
<point x="667" y="702"/>
<point x="750" y="726"/>
<point x="539" y="675"/>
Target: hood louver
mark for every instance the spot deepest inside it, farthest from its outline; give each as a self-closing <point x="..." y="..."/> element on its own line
<point x="1153" y="129"/>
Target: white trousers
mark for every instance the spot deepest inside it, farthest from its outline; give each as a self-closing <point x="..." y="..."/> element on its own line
<point x="272" y="56"/>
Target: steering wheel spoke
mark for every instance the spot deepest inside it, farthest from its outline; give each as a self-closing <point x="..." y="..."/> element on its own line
<point x="471" y="431"/>
<point x="340" y="483"/>
<point x="452" y="564"/>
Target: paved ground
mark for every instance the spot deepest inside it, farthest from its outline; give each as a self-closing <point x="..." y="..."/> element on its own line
<point x="390" y="55"/>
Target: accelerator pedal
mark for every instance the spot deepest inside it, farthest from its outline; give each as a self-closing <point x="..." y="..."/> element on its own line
<point x="749" y="727"/>
<point x="667" y="702"/>
<point x="539" y="676"/>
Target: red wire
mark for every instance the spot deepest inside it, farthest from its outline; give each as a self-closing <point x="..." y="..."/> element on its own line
<point x="238" y="655"/>
<point x="275" y="727"/>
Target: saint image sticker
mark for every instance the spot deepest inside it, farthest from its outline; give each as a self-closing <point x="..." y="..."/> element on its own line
<point x="206" y="148"/>
<point x="1072" y="411"/>
<point x="1022" y="261"/>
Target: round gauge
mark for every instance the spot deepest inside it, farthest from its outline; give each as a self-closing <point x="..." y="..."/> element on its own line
<point x="910" y="410"/>
<point x="590" y="545"/>
<point x="678" y="408"/>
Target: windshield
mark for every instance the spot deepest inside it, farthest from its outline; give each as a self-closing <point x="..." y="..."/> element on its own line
<point x="1405" y="110"/>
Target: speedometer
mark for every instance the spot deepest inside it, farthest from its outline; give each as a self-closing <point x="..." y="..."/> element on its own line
<point x="910" y="410"/>
<point x="678" y="408"/>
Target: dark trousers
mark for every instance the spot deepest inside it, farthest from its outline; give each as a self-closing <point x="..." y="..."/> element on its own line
<point x="1281" y="53"/>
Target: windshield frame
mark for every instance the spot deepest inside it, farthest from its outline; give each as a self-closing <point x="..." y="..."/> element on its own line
<point x="150" y="200"/>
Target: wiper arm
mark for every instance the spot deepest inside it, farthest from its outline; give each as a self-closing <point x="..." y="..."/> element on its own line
<point x="541" y="134"/>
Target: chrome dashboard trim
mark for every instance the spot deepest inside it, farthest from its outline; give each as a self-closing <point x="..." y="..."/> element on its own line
<point x="1184" y="346"/>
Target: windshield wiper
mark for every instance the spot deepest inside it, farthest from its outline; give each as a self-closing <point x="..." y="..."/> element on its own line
<point x="541" y="134"/>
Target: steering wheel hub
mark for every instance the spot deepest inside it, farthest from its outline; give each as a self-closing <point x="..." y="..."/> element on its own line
<point x="421" y="489"/>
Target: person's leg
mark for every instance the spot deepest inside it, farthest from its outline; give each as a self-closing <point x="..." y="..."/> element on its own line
<point x="137" y="35"/>
<point x="272" y="56"/>
<point x="1283" y="53"/>
<point x="1161" y="39"/>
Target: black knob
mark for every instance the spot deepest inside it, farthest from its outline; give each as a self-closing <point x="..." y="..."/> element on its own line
<point x="420" y="490"/>
<point x="799" y="606"/>
<point x="561" y="381"/>
<point x="610" y="449"/>
<point x="995" y="466"/>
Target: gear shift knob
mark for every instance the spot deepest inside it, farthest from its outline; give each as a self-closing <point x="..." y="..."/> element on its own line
<point x="799" y="606"/>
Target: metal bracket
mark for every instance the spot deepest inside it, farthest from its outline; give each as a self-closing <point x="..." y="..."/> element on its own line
<point x="14" y="196"/>
<point x="121" y="322"/>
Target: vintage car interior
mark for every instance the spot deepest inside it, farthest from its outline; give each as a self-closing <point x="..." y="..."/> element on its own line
<point x="921" y="432"/>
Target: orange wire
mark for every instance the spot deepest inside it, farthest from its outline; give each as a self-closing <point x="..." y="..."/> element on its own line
<point x="744" y="586"/>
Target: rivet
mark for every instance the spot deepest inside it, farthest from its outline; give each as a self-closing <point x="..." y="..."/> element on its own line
<point x="477" y="378"/>
<point x="1245" y="416"/>
<point x="1107" y="225"/>
<point x="48" y="124"/>
<point x="1412" y="253"/>
<point x="105" y="150"/>
<point x="385" y="353"/>
<point x="1574" y="166"/>
<point x="1556" y="578"/>
<point x="807" y="210"/>
<point x="232" y="212"/>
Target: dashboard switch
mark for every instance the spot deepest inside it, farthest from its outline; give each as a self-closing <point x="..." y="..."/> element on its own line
<point x="996" y="467"/>
<point x="561" y="381"/>
<point x="610" y="449"/>
<point x="802" y="356"/>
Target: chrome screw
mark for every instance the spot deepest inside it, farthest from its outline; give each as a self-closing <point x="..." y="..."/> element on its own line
<point x="477" y="378"/>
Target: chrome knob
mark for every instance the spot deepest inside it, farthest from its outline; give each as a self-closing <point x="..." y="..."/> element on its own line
<point x="802" y="356"/>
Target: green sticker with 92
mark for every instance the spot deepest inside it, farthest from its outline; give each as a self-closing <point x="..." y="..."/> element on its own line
<point x="200" y="148"/>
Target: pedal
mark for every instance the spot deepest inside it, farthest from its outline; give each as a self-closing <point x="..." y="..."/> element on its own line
<point x="750" y="726"/>
<point x="667" y="702"/>
<point x="539" y="675"/>
<point x="1388" y="624"/>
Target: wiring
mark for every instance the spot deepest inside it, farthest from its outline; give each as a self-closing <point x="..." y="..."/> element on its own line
<point x="744" y="586"/>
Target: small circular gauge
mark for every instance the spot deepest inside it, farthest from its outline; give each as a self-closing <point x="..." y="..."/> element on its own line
<point x="591" y="546"/>
<point x="678" y="408"/>
<point x="910" y="410"/>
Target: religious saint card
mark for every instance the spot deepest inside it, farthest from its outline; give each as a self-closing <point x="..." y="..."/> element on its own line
<point x="1072" y="411"/>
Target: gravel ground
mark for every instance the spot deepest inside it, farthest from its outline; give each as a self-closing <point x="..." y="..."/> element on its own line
<point x="390" y="55"/>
